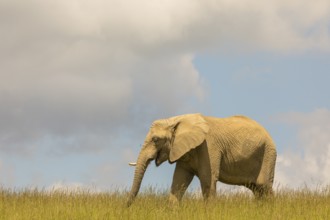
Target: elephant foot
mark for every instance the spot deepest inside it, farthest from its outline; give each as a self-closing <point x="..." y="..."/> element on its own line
<point x="261" y="191"/>
<point x="129" y="201"/>
<point x="173" y="200"/>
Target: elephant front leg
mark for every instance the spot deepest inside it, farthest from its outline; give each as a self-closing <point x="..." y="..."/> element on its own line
<point x="181" y="180"/>
<point x="209" y="187"/>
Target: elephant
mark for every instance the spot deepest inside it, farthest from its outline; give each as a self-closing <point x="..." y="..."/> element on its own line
<point x="235" y="150"/>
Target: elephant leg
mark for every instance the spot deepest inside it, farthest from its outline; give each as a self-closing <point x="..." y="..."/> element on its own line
<point x="256" y="190"/>
<point x="265" y="179"/>
<point x="209" y="187"/>
<point x="260" y="191"/>
<point x="181" y="180"/>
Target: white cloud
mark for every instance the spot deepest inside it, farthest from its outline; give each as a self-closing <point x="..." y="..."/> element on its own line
<point x="308" y="162"/>
<point x="147" y="26"/>
<point x="70" y="187"/>
<point x="73" y="74"/>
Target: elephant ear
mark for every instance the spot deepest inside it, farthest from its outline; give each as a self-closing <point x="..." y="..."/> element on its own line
<point x="189" y="132"/>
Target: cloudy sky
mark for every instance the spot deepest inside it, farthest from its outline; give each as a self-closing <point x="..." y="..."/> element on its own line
<point x="81" y="81"/>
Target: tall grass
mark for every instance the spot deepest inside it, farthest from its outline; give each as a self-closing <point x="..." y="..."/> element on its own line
<point x="40" y="204"/>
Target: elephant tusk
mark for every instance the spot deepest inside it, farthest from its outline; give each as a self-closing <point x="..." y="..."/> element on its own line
<point x="132" y="164"/>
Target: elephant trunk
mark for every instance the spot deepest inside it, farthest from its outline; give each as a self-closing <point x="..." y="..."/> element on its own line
<point x="141" y="166"/>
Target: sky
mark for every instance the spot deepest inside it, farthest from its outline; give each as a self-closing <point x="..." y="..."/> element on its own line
<point x="81" y="81"/>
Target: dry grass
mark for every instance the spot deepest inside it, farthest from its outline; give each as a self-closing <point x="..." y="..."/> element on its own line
<point x="287" y="204"/>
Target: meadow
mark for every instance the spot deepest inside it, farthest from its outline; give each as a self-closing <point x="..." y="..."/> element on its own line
<point x="150" y="204"/>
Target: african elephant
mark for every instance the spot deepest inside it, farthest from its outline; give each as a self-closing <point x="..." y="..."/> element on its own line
<point x="235" y="150"/>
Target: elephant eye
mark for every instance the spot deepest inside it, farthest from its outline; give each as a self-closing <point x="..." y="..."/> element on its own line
<point x="155" y="139"/>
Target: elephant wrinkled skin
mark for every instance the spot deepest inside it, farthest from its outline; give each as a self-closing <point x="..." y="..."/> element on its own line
<point x="235" y="150"/>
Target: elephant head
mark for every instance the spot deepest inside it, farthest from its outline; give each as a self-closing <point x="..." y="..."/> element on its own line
<point x="168" y="139"/>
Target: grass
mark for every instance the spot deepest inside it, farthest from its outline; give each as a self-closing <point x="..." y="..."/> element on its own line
<point x="39" y="204"/>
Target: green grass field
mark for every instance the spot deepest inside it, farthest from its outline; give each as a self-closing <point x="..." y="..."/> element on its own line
<point x="35" y="204"/>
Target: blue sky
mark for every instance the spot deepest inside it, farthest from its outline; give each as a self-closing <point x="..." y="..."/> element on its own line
<point x="81" y="82"/>
<point x="266" y="86"/>
<point x="273" y="82"/>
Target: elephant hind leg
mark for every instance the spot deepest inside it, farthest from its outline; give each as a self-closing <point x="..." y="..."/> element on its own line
<point x="260" y="191"/>
<point x="265" y="179"/>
